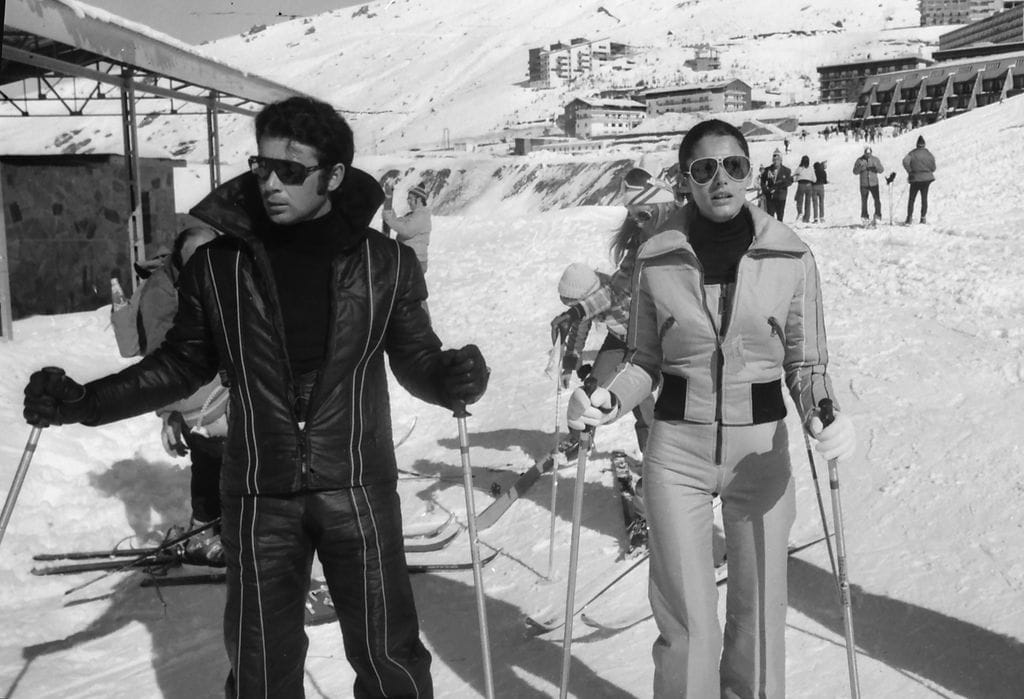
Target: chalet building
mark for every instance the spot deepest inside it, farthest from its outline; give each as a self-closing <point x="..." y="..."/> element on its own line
<point x="961" y="11"/>
<point x="842" y="82"/>
<point x="722" y="96"/>
<point x="564" y="63"/>
<point x="940" y="91"/>
<point x="593" y="118"/>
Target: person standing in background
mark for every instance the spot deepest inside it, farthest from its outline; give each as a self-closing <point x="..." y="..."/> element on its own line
<point x="920" y="166"/>
<point x="868" y="167"/>
<point x="818" y="191"/>
<point x="413" y="228"/>
<point x="804" y="177"/>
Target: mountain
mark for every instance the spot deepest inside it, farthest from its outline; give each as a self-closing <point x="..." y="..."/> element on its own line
<point x="418" y="75"/>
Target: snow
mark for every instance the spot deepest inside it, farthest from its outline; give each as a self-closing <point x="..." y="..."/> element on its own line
<point x="926" y="332"/>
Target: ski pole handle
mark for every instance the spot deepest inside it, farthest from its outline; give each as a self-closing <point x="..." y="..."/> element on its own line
<point x="459" y="410"/>
<point x="826" y="412"/>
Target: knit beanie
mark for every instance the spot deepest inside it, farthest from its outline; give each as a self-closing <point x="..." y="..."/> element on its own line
<point x="920" y="141"/>
<point x="418" y="191"/>
<point x="578" y="281"/>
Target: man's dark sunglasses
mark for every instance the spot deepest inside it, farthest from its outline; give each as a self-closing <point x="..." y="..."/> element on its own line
<point x="702" y="170"/>
<point x="288" y="171"/>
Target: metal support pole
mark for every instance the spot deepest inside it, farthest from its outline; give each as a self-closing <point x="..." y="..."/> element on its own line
<point x="129" y="123"/>
<point x="6" y="312"/>
<point x="213" y="139"/>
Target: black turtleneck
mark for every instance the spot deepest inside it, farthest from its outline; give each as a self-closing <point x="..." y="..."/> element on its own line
<point x="300" y="257"/>
<point x="719" y="246"/>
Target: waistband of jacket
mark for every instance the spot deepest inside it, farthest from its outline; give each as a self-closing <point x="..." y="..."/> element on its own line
<point x="766" y="401"/>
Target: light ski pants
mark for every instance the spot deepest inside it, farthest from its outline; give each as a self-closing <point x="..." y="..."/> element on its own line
<point x="692" y="658"/>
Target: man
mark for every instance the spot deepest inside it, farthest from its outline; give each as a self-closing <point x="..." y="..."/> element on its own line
<point x="775" y="181"/>
<point x="413" y="228"/>
<point x="920" y="166"/>
<point x="296" y="305"/>
<point x="868" y="167"/>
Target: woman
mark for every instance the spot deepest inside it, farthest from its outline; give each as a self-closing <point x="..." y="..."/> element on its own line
<point x="818" y="190"/>
<point x="725" y="303"/>
<point x="804" y="177"/>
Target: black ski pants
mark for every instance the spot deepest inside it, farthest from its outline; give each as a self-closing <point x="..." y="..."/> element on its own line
<point x="269" y="544"/>
<point x="873" y="191"/>
<point x="916" y="187"/>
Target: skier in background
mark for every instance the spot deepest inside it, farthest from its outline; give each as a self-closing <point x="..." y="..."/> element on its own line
<point x="726" y="301"/>
<point x="920" y="166"/>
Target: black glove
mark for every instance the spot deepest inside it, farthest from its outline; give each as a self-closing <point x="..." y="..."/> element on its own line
<point x="562" y="323"/>
<point x="51" y="398"/>
<point x="464" y="374"/>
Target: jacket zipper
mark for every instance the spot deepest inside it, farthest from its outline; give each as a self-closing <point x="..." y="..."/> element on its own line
<point x="719" y="364"/>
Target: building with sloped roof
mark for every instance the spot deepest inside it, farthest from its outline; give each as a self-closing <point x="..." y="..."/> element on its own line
<point x="940" y="91"/>
<point x="721" y="96"/>
<point x="593" y="117"/>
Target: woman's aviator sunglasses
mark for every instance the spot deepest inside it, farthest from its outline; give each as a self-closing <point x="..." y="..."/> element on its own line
<point x="703" y="170"/>
<point x="288" y="171"/>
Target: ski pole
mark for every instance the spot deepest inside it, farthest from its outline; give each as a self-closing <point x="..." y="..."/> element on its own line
<point x="474" y="546"/>
<point x="827" y="417"/>
<point x="554" y="468"/>
<point x="586" y="438"/>
<point x="821" y="508"/>
<point x="26" y="459"/>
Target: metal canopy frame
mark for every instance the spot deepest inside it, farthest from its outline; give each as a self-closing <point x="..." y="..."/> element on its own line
<point x="46" y="42"/>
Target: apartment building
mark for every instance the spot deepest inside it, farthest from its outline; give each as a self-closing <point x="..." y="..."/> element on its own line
<point x="842" y="82"/>
<point x="562" y="63"/>
<point x="722" y="96"/>
<point x="961" y="11"/>
<point x="594" y="117"/>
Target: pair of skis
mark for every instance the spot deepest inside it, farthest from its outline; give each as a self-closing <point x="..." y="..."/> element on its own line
<point x="155" y="558"/>
<point x="552" y="617"/>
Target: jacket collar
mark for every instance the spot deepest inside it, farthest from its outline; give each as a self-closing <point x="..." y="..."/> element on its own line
<point x="235" y="207"/>
<point x="770" y="235"/>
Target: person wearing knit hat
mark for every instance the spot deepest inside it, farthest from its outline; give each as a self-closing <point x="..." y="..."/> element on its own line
<point x="596" y="297"/>
<point x="413" y="228"/>
<point x="578" y="281"/>
<point x="920" y="166"/>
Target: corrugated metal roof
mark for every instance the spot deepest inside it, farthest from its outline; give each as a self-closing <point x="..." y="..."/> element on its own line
<point x="81" y="35"/>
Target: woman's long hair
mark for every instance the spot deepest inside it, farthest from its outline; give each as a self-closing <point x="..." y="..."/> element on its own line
<point x="805" y="161"/>
<point x="626" y="240"/>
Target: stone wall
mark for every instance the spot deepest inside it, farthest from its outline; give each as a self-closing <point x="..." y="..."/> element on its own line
<point x="67" y="227"/>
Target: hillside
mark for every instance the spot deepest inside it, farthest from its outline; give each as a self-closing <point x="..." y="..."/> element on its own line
<point x="411" y="74"/>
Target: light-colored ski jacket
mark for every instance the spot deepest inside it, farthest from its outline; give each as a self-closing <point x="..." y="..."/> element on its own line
<point x="725" y="365"/>
<point x="413" y="229"/>
<point x="868" y="167"/>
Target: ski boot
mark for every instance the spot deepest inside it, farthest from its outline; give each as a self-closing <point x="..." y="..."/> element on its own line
<point x="204" y="548"/>
<point x="319" y="605"/>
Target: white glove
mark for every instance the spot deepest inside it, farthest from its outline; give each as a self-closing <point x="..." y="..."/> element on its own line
<point x="593" y="410"/>
<point x="838" y="440"/>
<point x="170" y="437"/>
